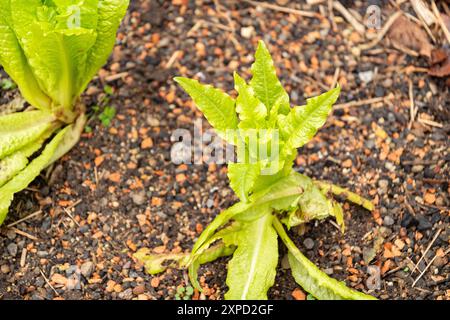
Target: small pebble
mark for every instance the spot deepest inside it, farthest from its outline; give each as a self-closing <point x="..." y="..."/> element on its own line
<point x="366" y="76"/>
<point x="308" y="243"/>
<point x="86" y="269"/>
<point x="409" y="221"/>
<point x="424" y="224"/>
<point x="5" y="269"/>
<point x="12" y="249"/>
<point x="417" y="168"/>
<point x="140" y="289"/>
<point x="388" y="221"/>
<point x="328" y="271"/>
<point x="138" y="197"/>
<point x="247" y="32"/>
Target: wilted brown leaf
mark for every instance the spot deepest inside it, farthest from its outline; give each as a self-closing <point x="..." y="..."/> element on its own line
<point x="406" y="34"/>
<point x="440" y="61"/>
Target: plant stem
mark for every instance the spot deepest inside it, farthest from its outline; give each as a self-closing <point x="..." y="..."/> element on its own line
<point x="350" y="196"/>
<point x="311" y="278"/>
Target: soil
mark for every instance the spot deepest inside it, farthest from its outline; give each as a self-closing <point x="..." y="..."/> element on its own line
<point x="118" y="190"/>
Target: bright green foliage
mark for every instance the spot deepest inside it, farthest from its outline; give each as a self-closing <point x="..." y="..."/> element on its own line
<point x="242" y="178"/>
<point x="267" y="133"/>
<point x="311" y="278"/>
<point x="302" y="123"/>
<point x="51" y="49"/>
<point x="217" y="106"/>
<point x="251" y="271"/>
<point x="27" y="175"/>
<point x="252" y="112"/>
<point x="20" y="129"/>
<point x="184" y="293"/>
<point x="107" y="115"/>
<point x="265" y="83"/>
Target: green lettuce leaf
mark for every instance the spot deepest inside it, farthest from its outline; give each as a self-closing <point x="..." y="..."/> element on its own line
<point x="265" y="83"/>
<point x="311" y="278"/>
<point x="110" y="14"/>
<point x="217" y="106"/>
<point x="157" y="263"/>
<point x="13" y="164"/>
<point x="347" y="194"/>
<point x="57" y="56"/>
<point x="242" y="178"/>
<point x="252" y="270"/>
<point x="13" y="60"/>
<point x="27" y="175"/>
<point x="252" y="112"/>
<point x="228" y="235"/>
<point x="20" y="129"/>
<point x="302" y="122"/>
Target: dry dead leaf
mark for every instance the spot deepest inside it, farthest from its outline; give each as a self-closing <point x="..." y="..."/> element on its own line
<point x="440" y="61"/>
<point x="406" y="34"/>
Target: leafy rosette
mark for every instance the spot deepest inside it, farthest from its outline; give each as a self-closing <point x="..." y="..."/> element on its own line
<point x="51" y="49"/>
<point x="270" y="190"/>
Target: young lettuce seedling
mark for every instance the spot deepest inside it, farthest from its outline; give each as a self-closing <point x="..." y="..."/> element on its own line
<point x="271" y="192"/>
<point x="52" y="50"/>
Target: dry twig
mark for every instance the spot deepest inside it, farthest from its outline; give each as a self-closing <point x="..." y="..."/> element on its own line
<point x="412" y="107"/>
<point x="48" y="282"/>
<point x="440" y="21"/>
<point x="426" y="250"/>
<point x="23" y="233"/>
<point x="360" y="102"/>
<point x="349" y="17"/>
<point x="302" y="13"/>
<point x="382" y="32"/>
<point x="24" y="219"/>
<point x="428" y="266"/>
<point x="423" y="12"/>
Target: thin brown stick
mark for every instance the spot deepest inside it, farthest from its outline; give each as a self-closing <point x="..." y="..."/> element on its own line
<point x="428" y="266"/>
<point x="315" y="2"/>
<point x="430" y="123"/>
<point x="173" y="58"/>
<point x="23" y="257"/>
<point x="48" y="282"/>
<point x="73" y="205"/>
<point x="412" y="108"/>
<point x="71" y="217"/>
<point x="360" y="102"/>
<point x="331" y="13"/>
<point x="23" y="233"/>
<point x="350" y="18"/>
<point x="426" y="250"/>
<point x="335" y="78"/>
<point x="302" y="13"/>
<point x="116" y="76"/>
<point x="382" y="33"/>
<point x="24" y="219"/>
<point x="440" y="21"/>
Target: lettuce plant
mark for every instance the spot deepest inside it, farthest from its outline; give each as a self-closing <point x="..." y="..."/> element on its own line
<point x="51" y="49"/>
<point x="273" y="196"/>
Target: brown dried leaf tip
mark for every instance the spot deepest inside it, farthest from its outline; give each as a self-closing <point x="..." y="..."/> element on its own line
<point x="406" y="34"/>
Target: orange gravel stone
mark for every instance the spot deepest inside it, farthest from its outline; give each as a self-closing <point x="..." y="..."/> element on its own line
<point x="429" y="198"/>
<point x="156" y="201"/>
<point x="154" y="282"/>
<point x="114" y="177"/>
<point x="147" y="143"/>
<point x="298" y="294"/>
